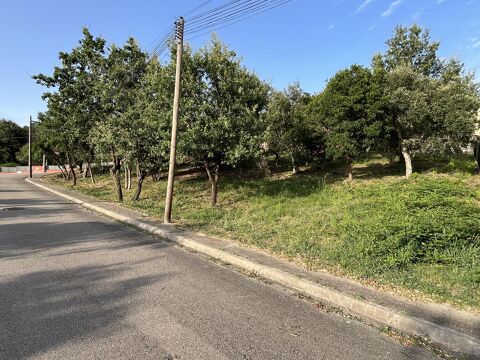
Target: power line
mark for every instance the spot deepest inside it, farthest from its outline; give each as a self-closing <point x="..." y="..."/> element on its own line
<point x="198" y="7"/>
<point x="216" y="18"/>
<point x="234" y="22"/>
<point x="162" y="44"/>
<point x="241" y="14"/>
<point x="221" y="11"/>
<point x="206" y="13"/>
<point x="212" y="21"/>
<point x="158" y="38"/>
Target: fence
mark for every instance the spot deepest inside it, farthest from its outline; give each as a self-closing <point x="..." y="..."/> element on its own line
<point x="39" y="169"/>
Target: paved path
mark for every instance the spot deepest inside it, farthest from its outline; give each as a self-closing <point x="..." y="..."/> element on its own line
<point x="74" y="285"/>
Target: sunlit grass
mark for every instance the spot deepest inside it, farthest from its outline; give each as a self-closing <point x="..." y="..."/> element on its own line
<point x="421" y="234"/>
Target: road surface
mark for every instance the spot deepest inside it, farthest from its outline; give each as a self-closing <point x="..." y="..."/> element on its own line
<point x="75" y="285"/>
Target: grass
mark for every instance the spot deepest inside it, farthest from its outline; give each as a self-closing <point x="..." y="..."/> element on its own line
<point x="421" y="235"/>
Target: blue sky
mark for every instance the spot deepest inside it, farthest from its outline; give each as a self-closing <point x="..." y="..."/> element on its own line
<point x="304" y="40"/>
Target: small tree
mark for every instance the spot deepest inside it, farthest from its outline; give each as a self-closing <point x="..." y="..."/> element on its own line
<point x="432" y="104"/>
<point x="343" y="118"/>
<point x="150" y="114"/>
<point x="223" y="127"/>
<point x="287" y="131"/>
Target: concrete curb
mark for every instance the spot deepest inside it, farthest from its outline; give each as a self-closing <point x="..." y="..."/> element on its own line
<point x="444" y="336"/>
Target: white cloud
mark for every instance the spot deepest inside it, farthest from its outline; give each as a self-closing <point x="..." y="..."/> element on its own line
<point x="476" y="44"/>
<point x="393" y="6"/>
<point x="331" y="26"/>
<point x="440" y="1"/>
<point x="362" y="6"/>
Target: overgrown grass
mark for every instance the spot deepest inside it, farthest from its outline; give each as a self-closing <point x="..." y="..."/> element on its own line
<point x="421" y="234"/>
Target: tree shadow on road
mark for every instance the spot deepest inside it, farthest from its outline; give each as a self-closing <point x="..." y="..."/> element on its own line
<point x="44" y="310"/>
<point x="19" y="240"/>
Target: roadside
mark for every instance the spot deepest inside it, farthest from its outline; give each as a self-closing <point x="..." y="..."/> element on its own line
<point x="77" y="285"/>
<point x="445" y="325"/>
<point x="415" y="238"/>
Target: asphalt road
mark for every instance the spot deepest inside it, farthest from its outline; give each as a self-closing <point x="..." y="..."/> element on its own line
<point x="74" y="285"/>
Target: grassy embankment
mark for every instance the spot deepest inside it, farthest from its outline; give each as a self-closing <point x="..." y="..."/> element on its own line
<point x="420" y="237"/>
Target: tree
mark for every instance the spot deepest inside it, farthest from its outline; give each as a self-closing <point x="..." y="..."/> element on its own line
<point x="151" y="115"/>
<point x="222" y="123"/>
<point x="114" y="135"/>
<point x="343" y="117"/>
<point x="379" y="112"/>
<point x="432" y="103"/>
<point x="37" y="154"/>
<point x="73" y="106"/>
<point x="287" y="127"/>
<point x="12" y="138"/>
<point x="410" y="95"/>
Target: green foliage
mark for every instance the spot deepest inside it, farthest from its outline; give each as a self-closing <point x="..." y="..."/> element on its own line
<point x="288" y="130"/>
<point x="412" y="47"/>
<point x="12" y="138"/>
<point x="150" y="116"/>
<point x="223" y="126"/>
<point x="122" y="78"/>
<point x="37" y="155"/>
<point x="343" y="118"/>
<point x="432" y="105"/>
<point x="74" y="105"/>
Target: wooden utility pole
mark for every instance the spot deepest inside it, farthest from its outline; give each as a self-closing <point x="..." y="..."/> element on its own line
<point x="30" y="148"/>
<point x="180" y="24"/>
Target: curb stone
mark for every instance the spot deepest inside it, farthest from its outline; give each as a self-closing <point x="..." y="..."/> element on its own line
<point x="447" y="337"/>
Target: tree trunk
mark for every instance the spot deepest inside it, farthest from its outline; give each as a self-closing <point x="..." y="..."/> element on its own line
<point x="127" y="175"/>
<point x="74" y="176"/>
<point x="405" y="154"/>
<point x="294" y="166"/>
<point x="213" y="179"/>
<point x="64" y="172"/>
<point x="89" y="167"/>
<point x="349" y="169"/>
<point x="116" y="172"/>
<point x="214" y="193"/>
<point x="408" y="162"/>
<point x="476" y="153"/>
<point x="85" y="171"/>
<point x="80" y="168"/>
<point x="141" y="176"/>
<point x="264" y="167"/>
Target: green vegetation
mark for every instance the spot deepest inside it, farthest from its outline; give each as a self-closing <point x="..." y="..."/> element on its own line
<point x="12" y="138"/>
<point x="420" y="234"/>
<point x="112" y="105"/>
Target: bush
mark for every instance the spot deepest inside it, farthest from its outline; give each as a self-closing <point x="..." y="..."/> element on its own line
<point x="10" y="164"/>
